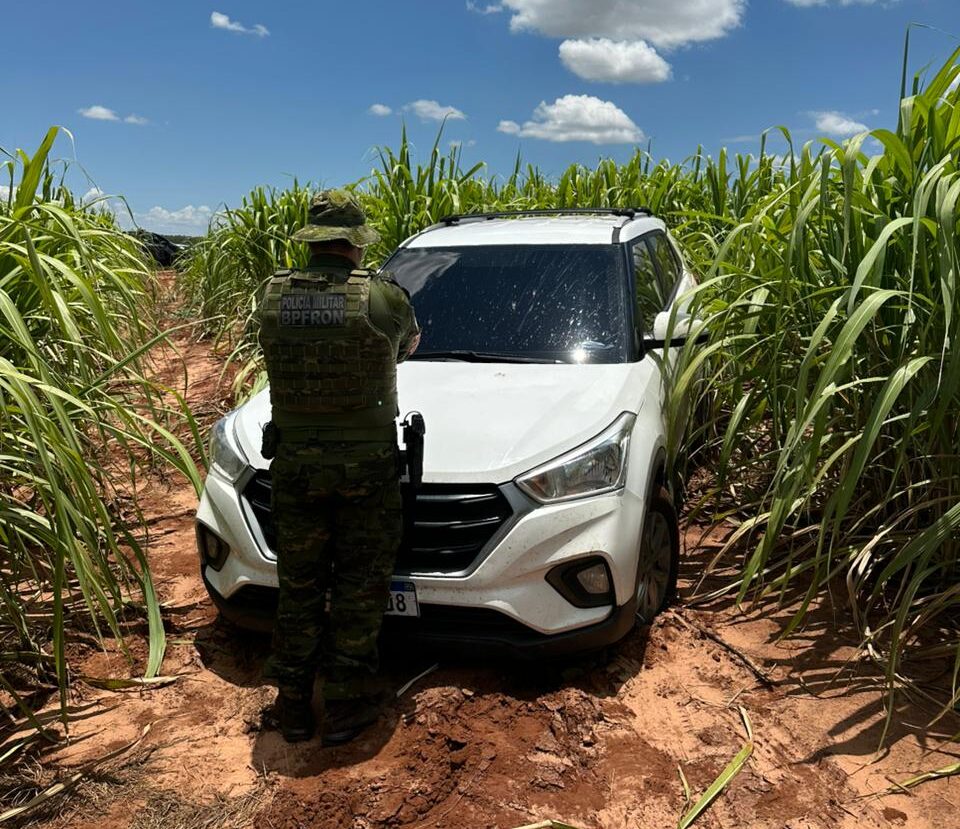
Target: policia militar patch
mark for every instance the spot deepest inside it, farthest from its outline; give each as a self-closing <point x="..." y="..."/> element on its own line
<point x="313" y="309"/>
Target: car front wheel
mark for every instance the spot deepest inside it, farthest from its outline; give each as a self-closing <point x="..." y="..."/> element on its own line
<point x="659" y="558"/>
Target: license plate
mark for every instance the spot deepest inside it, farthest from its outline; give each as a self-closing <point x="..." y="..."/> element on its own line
<point x="402" y="600"/>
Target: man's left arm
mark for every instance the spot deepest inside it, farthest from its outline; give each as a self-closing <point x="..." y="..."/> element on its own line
<point x="410" y="336"/>
<point x="404" y="318"/>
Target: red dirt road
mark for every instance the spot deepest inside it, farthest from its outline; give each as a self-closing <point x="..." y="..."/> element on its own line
<point x="598" y="744"/>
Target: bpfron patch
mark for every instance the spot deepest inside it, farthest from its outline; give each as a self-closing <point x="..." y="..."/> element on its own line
<point x="313" y="309"/>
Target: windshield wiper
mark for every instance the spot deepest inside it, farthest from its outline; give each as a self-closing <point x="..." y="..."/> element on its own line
<point x="477" y="357"/>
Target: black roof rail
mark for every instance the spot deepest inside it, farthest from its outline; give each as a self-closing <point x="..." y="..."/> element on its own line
<point x="627" y="212"/>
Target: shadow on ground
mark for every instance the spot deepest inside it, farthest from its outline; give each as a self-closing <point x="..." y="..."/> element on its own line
<point x="238" y="656"/>
<point x="821" y="657"/>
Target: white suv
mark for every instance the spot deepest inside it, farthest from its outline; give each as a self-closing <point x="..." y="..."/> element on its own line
<point x="544" y="523"/>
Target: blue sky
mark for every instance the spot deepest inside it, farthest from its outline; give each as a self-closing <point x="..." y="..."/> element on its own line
<point x="184" y="107"/>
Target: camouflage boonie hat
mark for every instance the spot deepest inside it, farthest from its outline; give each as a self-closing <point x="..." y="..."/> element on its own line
<point x="336" y="214"/>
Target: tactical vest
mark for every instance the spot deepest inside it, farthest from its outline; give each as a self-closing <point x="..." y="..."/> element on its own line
<point x="328" y="365"/>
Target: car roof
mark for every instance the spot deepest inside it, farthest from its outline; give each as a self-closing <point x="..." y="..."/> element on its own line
<point x="605" y="229"/>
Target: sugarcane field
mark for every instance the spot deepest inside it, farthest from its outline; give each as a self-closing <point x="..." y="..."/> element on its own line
<point x="576" y="446"/>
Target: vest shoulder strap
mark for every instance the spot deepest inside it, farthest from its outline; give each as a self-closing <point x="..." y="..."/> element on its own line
<point x="386" y="276"/>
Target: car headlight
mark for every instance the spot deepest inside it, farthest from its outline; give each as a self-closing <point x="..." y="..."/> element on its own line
<point x="599" y="466"/>
<point x="225" y="455"/>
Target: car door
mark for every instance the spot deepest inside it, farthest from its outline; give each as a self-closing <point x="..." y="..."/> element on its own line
<point x="675" y="277"/>
<point x="660" y="282"/>
<point x="649" y="291"/>
<point x="678" y="282"/>
<point x="668" y="265"/>
<point x="651" y="295"/>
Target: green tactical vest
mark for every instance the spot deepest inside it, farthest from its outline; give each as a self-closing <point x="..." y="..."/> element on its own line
<point x="329" y="367"/>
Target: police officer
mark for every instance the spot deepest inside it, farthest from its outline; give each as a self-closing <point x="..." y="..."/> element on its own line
<point x="332" y="335"/>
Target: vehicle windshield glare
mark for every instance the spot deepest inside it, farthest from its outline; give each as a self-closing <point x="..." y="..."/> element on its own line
<point x="549" y="303"/>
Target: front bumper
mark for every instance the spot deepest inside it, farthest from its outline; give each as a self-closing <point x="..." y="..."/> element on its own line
<point x="501" y="602"/>
<point x="448" y="629"/>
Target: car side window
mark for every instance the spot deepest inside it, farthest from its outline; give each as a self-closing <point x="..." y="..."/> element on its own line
<point x="650" y="298"/>
<point x="667" y="259"/>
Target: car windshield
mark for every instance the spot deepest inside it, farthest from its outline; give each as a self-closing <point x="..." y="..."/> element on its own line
<point x="539" y="303"/>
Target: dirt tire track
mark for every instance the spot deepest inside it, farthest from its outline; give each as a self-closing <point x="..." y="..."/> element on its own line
<point x="595" y="743"/>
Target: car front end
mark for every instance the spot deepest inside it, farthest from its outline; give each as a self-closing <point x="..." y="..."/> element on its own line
<point x="544" y="441"/>
<point x="523" y="535"/>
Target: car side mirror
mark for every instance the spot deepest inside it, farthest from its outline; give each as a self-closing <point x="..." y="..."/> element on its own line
<point x="684" y="327"/>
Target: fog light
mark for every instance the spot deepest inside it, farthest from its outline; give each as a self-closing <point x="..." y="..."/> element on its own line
<point x="213" y="549"/>
<point x="595" y="579"/>
<point x="584" y="582"/>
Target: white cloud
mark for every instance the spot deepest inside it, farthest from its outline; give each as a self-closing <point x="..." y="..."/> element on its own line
<point x="602" y="59"/>
<point x="92" y="194"/>
<point x="665" y="23"/>
<point x="784" y="160"/>
<point x="381" y="110"/>
<point x="484" y="8"/>
<point x="98" y="201"/>
<point x="99" y="113"/>
<point x="747" y="138"/>
<point x="7" y="192"/>
<point x="102" y="113"/>
<point x="433" y="111"/>
<point x="577" y="118"/>
<point x="838" y="124"/>
<point x="187" y="219"/>
<point x="220" y="21"/>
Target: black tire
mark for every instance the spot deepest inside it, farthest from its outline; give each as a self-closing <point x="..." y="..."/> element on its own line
<point x="658" y="568"/>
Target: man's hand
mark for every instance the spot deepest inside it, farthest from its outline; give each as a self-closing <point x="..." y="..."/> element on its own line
<point x="414" y="344"/>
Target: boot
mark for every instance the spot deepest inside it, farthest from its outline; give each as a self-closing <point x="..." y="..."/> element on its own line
<point x="295" y="717"/>
<point x="345" y="719"/>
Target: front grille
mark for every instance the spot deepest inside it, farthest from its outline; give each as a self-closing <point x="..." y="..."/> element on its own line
<point x="257" y="492"/>
<point x="447" y="624"/>
<point x="450" y="524"/>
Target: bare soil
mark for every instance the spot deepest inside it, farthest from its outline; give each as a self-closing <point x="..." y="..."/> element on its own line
<point x="598" y="742"/>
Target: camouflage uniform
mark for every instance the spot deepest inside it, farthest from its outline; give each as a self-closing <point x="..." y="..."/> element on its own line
<point x="331" y="338"/>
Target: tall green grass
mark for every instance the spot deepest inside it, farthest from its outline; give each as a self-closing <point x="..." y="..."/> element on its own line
<point x="79" y="422"/>
<point x="829" y="282"/>
<point x="836" y="313"/>
<point x="227" y="270"/>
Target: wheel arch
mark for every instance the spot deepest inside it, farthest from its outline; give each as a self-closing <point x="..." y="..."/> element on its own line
<point x="658" y="471"/>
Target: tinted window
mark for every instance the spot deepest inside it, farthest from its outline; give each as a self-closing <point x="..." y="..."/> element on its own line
<point x="650" y="296"/>
<point x="669" y="266"/>
<point x="550" y="302"/>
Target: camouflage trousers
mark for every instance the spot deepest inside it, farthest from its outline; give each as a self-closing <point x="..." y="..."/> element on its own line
<point x="337" y="510"/>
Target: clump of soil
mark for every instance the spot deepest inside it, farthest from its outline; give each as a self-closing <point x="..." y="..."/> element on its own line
<point x="459" y="756"/>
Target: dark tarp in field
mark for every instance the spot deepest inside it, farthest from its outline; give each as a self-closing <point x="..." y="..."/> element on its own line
<point x="159" y="247"/>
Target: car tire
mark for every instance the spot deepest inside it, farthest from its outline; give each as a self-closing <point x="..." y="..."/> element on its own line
<point x="658" y="561"/>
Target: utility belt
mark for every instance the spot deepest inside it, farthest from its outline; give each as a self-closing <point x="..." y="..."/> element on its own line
<point x="411" y="456"/>
<point x="274" y="434"/>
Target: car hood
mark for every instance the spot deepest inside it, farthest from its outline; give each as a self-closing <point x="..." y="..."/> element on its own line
<point x="490" y="422"/>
